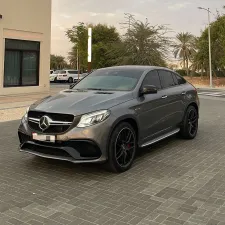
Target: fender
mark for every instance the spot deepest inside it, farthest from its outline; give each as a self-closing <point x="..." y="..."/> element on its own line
<point x="119" y="120"/>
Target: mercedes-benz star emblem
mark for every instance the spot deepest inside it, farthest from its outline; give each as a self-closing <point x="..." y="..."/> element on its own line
<point x="44" y="123"/>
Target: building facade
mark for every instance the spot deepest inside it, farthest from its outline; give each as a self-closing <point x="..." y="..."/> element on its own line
<point x="25" y="34"/>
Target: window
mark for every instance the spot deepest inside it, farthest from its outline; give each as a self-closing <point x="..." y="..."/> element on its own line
<point x="180" y="79"/>
<point x="61" y="72"/>
<point x="72" y="71"/>
<point x="166" y="78"/>
<point x="175" y="78"/>
<point x="111" y="79"/>
<point x="152" y="78"/>
<point x="21" y="66"/>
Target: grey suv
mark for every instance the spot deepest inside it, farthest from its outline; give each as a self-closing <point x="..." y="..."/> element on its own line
<point x="109" y="114"/>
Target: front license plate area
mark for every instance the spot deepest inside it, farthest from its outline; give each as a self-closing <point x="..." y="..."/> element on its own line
<point x="42" y="137"/>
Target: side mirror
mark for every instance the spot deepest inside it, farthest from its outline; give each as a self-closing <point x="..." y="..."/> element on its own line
<point x="148" y="89"/>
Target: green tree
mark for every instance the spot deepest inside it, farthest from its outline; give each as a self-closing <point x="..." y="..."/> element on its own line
<point x="217" y="46"/>
<point x="144" y="44"/>
<point x="103" y="38"/>
<point x="185" y="48"/>
<point x="78" y="35"/>
<point x="57" y="62"/>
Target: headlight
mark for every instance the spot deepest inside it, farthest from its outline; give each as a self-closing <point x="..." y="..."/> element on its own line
<point x="26" y="114"/>
<point x="93" y="118"/>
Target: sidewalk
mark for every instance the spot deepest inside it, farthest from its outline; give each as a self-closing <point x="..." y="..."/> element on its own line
<point x="13" y="107"/>
<point x="23" y="100"/>
<point x="209" y="88"/>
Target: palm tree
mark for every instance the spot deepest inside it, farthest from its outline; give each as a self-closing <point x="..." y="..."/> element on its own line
<point x="184" y="49"/>
<point x="145" y="44"/>
<point x="57" y="62"/>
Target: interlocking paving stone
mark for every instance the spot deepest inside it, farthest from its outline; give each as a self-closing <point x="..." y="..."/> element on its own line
<point x="173" y="182"/>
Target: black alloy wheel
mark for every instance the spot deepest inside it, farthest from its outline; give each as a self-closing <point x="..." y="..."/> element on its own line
<point x="70" y="80"/>
<point x="189" y="126"/>
<point x="122" y="148"/>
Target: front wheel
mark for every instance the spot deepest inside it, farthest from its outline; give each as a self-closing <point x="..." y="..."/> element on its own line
<point x="189" y="127"/>
<point x="70" y="80"/>
<point x="122" y="148"/>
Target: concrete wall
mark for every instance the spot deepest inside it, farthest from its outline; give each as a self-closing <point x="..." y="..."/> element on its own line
<point x="26" y="20"/>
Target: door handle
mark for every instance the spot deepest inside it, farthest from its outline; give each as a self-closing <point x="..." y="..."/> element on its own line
<point x="164" y="96"/>
<point x="183" y="93"/>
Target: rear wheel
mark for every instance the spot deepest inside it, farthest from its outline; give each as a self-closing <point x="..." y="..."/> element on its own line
<point x="122" y="148"/>
<point x="189" y="127"/>
<point x="70" y="80"/>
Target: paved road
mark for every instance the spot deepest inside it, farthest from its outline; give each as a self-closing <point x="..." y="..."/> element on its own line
<point x="174" y="182"/>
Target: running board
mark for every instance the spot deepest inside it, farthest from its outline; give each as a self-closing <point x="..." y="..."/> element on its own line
<point x="161" y="138"/>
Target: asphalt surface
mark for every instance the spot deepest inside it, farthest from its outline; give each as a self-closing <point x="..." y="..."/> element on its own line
<point x="173" y="182"/>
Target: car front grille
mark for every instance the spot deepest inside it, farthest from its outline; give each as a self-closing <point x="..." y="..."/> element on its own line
<point x="59" y="123"/>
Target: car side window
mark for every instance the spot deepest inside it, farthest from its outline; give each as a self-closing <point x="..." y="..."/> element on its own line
<point x="152" y="78"/>
<point x="180" y="79"/>
<point x="166" y="79"/>
<point x="72" y="71"/>
<point x="175" y="79"/>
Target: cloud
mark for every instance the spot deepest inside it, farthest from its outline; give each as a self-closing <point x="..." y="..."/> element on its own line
<point x="66" y="16"/>
<point x="102" y="14"/>
<point x="178" y="6"/>
<point x="60" y="27"/>
<point x="110" y="14"/>
<point x="94" y="14"/>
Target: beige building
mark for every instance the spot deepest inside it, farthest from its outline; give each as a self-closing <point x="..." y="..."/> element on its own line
<point x="25" y="33"/>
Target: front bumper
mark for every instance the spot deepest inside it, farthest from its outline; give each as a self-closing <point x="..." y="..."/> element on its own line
<point x="62" y="78"/>
<point x="78" y="145"/>
<point x="51" y="79"/>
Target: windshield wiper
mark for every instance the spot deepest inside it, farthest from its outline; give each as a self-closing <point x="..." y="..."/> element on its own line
<point x="96" y="89"/>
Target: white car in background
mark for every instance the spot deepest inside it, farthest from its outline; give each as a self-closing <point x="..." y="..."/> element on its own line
<point x="53" y="76"/>
<point x="81" y="76"/>
<point x="67" y="75"/>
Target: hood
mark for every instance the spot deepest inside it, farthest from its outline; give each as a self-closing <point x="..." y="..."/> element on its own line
<point x="81" y="102"/>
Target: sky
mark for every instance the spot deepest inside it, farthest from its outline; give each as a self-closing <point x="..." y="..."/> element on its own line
<point x="179" y="15"/>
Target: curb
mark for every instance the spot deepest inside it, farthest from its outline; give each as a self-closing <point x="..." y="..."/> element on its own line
<point x="17" y="107"/>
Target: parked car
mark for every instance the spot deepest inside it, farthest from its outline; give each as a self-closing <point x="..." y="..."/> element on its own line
<point x="67" y="75"/>
<point x="81" y="76"/>
<point x="53" y="76"/>
<point x="109" y="115"/>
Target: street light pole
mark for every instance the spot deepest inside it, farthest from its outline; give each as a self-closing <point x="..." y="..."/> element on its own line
<point x="89" y="48"/>
<point x="210" y="54"/>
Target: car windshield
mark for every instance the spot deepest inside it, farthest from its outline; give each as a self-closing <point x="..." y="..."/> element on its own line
<point x="118" y="80"/>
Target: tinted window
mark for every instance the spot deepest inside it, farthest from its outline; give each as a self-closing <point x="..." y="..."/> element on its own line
<point x="175" y="78"/>
<point x="166" y="78"/>
<point x="152" y="78"/>
<point x="73" y="72"/>
<point x="180" y="80"/>
<point x="108" y="79"/>
<point x="61" y="71"/>
<point x="21" y="63"/>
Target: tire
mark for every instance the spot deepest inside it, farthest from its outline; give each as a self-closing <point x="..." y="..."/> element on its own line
<point x="70" y="80"/>
<point x="126" y="151"/>
<point x="189" y="127"/>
